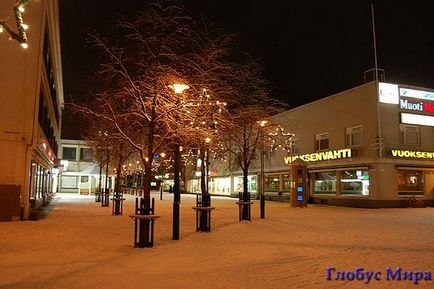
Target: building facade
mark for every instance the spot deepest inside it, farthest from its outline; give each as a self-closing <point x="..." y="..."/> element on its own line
<point x="370" y="146"/>
<point x="80" y="173"/>
<point x="31" y="93"/>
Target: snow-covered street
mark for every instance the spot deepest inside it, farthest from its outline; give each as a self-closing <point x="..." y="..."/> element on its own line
<point x="80" y="245"/>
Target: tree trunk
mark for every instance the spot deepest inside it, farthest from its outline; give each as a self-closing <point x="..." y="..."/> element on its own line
<point x="203" y="172"/>
<point x="245" y="183"/>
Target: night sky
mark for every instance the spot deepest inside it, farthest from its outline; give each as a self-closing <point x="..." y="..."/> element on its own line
<point x="309" y="49"/>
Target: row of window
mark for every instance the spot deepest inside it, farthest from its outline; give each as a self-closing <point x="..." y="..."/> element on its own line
<point x="409" y="135"/>
<point x="348" y="182"/>
<point x="356" y="182"/>
<point x="45" y="122"/>
<point x="70" y="153"/>
<point x="41" y="183"/>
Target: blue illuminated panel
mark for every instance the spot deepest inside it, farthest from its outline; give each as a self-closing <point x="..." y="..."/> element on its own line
<point x="300" y="189"/>
<point x="299" y="197"/>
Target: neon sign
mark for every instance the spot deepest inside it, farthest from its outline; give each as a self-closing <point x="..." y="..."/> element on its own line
<point x="320" y="156"/>
<point x="412" y="154"/>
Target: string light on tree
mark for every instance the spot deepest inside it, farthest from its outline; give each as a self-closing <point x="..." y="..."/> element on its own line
<point x="21" y="35"/>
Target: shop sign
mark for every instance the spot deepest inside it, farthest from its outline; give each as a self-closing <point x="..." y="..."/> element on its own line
<point x="320" y="156"/>
<point x="413" y="93"/>
<point x="416" y="106"/>
<point x="412" y="154"/>
<point x="419" y="119"/>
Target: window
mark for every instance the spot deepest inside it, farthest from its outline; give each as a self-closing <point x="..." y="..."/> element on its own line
<point x="84" y="179"/>
<point x="409" y="134"/>
<point x="354" y="135"/>
<point x="86" y="154"/>
<point x="410" y="183"/>
<point x="355" y="182"/>
<point x="322" y="141"/>
<point x="272" y="183"/>
<point x="325" y="183"/>
<point x="287" y="182"/>
<point x="69" y="153"/>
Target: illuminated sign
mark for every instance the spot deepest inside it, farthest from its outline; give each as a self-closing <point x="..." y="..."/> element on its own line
<point x="320" y="156"/>
<point x="388" y="93"/>
<point x="416" y="106"/>
<point x="406" y="104"/>
<point x="413" y="93"/>
<point x="412" y="154"/>
<point x="417" y="119"/>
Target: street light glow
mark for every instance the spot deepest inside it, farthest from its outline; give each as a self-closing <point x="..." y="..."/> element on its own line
<point x="178" y="88"/>
<point x="263" y="122"/>
<point x="208" y="140"/>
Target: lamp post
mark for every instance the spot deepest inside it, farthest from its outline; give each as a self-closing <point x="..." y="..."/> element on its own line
<point x="178" y="88"/>
<point x="262" y="124"/>
<point x="207" y="141"/>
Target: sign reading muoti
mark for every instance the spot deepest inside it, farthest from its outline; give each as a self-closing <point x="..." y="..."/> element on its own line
<point x="320" y="156"/>
<point x="412" y="154"/>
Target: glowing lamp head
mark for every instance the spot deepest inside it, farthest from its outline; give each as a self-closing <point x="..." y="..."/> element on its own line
<point x="163" y="155"/>
<point x="24" y="45"/>
<point x="25" y="26"/>
<point x="178" y="88"/>
<point x="21" y="8"/>
<point x="263" y="122"/>
<point x="208" y="140"/>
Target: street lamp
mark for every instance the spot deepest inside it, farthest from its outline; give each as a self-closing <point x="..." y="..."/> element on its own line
<point x="207" y="141"/>
<point x="262" y="124"/>
<point x="178" y="88"/>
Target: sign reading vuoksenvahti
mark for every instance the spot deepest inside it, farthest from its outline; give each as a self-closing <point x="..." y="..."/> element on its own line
<point x="412" y="154"/>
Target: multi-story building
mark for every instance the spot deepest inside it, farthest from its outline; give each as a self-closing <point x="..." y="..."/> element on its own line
<point x="80" y="174"/>
<point x="370" y="146"/>
<point x="31" y="94"/>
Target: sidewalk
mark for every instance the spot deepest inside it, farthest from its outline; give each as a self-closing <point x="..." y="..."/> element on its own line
<point x="80" y="245"/>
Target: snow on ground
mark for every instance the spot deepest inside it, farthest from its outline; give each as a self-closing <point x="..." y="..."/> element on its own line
<point x="80" y="245"/>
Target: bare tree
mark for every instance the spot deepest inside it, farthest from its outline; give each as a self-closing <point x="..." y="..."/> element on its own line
<point x="251" y="105"/>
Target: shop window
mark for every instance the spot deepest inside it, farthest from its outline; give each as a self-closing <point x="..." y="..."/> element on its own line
<point x="325" y="183"/>
<point x="410" y="183"/>
<point x="322" y="141"/>
<point x="410" y="134"/>
<point x="69" y="182"/>
<point x="354" y="135"/>
<point x="287" y="182"/>
<point x="69" y="153"/>
<point x="86" y="154"/>
<point x="272" y="183"/>
<point x="251" y="184"/>
<point x="84" y="179"/>
<point x="355" y="182"/>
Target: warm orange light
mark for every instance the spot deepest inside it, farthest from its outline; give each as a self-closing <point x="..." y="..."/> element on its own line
<point x="208" y="140"/>
<point x="178" y="88"/>
<point x="263" y="122"/>
<point x="163" y="155"/>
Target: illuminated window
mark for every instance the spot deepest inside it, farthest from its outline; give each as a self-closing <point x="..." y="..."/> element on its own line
<point x="286" y="182"/>
<point x="355" y="182"/>
<point x="272" y="183"/>
<point x="354" y="135"/>
<point x="409" y="134"/>
<point x="325" y="183"/>
<point x="410" y="183"/>
<point x="322" y="141"/>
